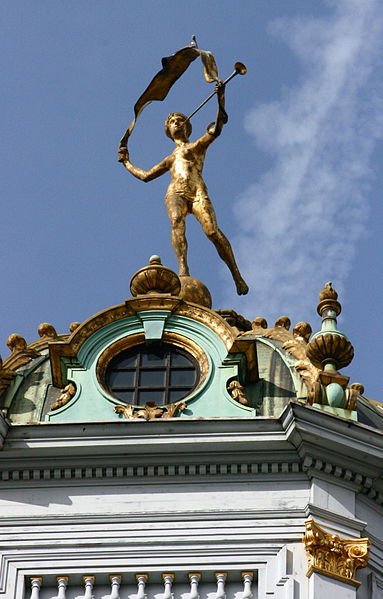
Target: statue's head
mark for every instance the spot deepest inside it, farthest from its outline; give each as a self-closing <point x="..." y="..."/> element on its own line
<point x="175" y="119"/>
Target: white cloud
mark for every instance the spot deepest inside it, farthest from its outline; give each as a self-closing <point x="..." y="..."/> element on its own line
<point x="300" y="224"/>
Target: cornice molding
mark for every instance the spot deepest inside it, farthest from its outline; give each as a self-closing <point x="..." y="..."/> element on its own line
<point x="151" y="472"/>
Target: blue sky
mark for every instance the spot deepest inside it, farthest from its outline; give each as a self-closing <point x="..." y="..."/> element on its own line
<point x="295" y="176"/>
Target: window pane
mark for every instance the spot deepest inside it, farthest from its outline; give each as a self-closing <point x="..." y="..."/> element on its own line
<point x="182" y="378"/>
<point x="152" y="378"/>
<point x="176" y="395"/>
<point x="180" y="360"/>
<point x="125" y="362"/>
<point x="126" y="396"/>
<point x="152" y="358"/>
<point x="121" y="378"/>
<point x="156" y="395"/>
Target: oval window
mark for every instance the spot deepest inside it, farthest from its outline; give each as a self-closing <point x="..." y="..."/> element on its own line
<point x="160" y="373"/>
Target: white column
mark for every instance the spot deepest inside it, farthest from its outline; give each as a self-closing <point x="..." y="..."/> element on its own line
<point x="89" y="584"/>
<point x="62" y="583"/>
<point x="168" y="583"/>
<point x="142" y="579"/>
<point x="36" y="582"/>
<point x="247" y="578"/>
<point x="321" y="586"/>
<point x="221" y="579"/>
<point x="115" y="581"/>
<point x="194" y="578"/>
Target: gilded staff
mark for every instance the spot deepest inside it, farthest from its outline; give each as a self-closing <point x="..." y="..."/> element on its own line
<point x="239" y="69"/>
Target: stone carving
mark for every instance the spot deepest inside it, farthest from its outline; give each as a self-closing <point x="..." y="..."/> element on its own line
<point x="237" y="392"/>
<point x="352" y="393"/>
<point x="259" y="324"/>
<point x="284" y="322"/>
<point x="235" y="320"/>
<point x="155" y="278"/>
<point x="150" y="411"/>
<point x="334" y="556"/>
<point x="74" y="326"/>
<point x="21" y="354"/>
<point x="66" y="395"/>
<point x="47" y="330"/>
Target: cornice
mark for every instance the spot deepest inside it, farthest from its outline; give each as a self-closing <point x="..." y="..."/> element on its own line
<point x="303" y="442"/>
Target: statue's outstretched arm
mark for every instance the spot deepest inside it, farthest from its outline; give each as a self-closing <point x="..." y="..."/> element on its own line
<point x="156" y="171"/>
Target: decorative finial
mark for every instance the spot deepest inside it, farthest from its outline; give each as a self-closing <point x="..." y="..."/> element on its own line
<point x="302" y="331"/>
<point x="155" y="278"/>
<point x="329" y="350"/>
<point x="328" y="299"/>
<point x="47" y="330"/>
<point x="283" y="322"/>
<point x="73" y="326"/>
<point x="259" y="323"/>
<point x="16" y="343"/>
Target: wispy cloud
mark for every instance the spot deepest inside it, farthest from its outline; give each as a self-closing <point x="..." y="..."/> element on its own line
<point x="300" y="224"/>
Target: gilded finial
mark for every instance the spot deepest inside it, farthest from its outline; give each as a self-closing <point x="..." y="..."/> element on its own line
<point x="328" y="299"/>
<point x="259" y="323"/>
<point x="73" y="326"/>
<point x="46" y="329"/>
<point x="302" y="331"/>
<point x="155" y="278"/>
<point x="283" y="322"/>
<point x="16" y="343"/>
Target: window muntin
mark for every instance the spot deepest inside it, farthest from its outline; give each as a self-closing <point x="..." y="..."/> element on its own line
<point x="160" y="373"/>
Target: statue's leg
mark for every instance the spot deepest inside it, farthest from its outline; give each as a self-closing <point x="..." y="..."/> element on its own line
<point x="204" y="212"/>
<point x="177" y="211"/>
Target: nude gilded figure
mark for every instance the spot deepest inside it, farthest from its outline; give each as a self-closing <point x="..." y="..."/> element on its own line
<point x="187" y="192"/>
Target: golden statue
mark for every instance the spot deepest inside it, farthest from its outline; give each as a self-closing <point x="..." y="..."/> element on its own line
<point x="187" y="192"/>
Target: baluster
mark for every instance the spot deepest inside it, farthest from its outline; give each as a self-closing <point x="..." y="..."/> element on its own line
<point x="36" y="582"/>
<point x="142" y="579"/>
<point x="168" y="582"/>
<point x="89" y="584"/>
<point x="247" y="578"/>
<point x="115" y="582"/>
<point x="62" y="583"/>
<point x="194" y="578"/>
<point x="221" y="579"/>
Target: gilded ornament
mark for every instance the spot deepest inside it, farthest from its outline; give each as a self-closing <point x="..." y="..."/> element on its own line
<point x="284" y="322"/>
<point x="353" y="392"/>
<point x="237" y="392"/>
<point x="193" y="290"/>
<point x="333" y="556"/>
<point x="46" y="330"/>
<point x="258" y="324"/>
<point x="330" y="347"/>
<point x="150" y="411"/>
<point x="66" y="395"/>
<point x="155" y="278"/>
<point x="21" y="354"/>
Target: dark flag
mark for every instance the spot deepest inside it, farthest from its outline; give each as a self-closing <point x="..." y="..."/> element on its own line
<point x="172" y="68"/>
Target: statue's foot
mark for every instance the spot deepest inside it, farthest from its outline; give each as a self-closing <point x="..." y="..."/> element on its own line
<point x="242" y="287"/>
